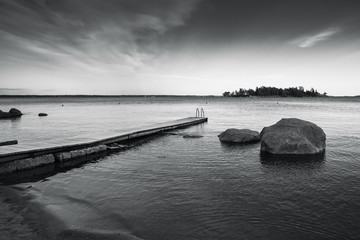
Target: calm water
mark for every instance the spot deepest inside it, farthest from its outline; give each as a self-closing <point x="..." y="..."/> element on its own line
<point x="176" y="188"/>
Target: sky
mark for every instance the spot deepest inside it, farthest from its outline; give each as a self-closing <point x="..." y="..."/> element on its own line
<point x="187" y="47"/>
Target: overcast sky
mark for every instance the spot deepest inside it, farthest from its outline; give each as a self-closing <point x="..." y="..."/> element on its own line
<point x="178" y="46"/>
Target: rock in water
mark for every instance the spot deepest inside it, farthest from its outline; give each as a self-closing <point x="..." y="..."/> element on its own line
<point x="233" y="135"/>
<point x="42" y="114"/>
<point x="4" y="114"/>
<point x="192" y="136"/>
<point x="13" y="113"/>
<point x="293" y="136"/>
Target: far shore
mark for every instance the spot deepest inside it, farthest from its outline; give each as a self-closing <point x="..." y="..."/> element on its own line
<point x="149" y="96"/>
<point x="103" y="96"/>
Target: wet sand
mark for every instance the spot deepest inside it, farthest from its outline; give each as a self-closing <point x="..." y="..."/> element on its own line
<point x="19" y="217"/>
<point x="23" y="217"/>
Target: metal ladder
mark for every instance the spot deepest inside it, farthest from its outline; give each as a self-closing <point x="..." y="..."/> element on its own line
<point x="200" y="113"/>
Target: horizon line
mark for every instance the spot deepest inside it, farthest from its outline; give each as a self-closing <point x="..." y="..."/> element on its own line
<point x="129" y="95"/>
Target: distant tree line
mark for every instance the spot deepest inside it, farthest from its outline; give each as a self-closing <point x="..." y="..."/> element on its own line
<point x="273" y="91"/>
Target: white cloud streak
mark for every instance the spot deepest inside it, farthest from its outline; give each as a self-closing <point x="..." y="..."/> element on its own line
<point x="310" y="41"/>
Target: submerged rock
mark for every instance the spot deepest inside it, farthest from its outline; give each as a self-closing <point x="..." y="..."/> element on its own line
<point x="192" y="136"/>
<point x="233" y="135"/>
<point x="13" y="113"/>
<point x="293" y="136"/>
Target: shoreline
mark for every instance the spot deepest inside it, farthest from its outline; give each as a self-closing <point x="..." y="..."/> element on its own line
<point x="152" y="96"/>
<point x="105" y="96"/>
<point x="25" y="215"/>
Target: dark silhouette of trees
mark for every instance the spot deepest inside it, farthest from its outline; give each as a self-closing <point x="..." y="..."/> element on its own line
<point x="226" y="94"/>
<point x="273" y="91"/>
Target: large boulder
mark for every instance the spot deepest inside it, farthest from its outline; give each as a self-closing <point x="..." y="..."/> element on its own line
<point x="233" y="135"/>
<point x="293" y="136"/>
<point x="13" y="113"/>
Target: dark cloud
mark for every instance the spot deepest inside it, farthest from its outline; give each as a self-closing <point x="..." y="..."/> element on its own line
<point x="92" y="31"/>
<point x="223" y="22"/>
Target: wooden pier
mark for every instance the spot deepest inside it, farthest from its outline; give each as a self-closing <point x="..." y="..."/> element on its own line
<point x="23" y="160"/>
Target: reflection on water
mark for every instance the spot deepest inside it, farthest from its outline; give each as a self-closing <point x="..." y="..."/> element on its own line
<point x="198" y="188"/>
<point x="299" y="164"/>
<point x="229" y="146"/>
<point x="14" y="121"/>
<point x="292" y="164"/>
<point x="28" y="176"/>
<point x="291" y="160"/>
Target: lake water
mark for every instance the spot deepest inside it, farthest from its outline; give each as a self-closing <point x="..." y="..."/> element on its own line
<point x="177" y="188"/>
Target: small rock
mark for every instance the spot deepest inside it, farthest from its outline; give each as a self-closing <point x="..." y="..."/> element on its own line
<point x="42" y="114"/>
<point x="233" y="135"/>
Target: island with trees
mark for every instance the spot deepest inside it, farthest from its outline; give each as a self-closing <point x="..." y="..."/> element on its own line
<point x="273" y="91"/>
